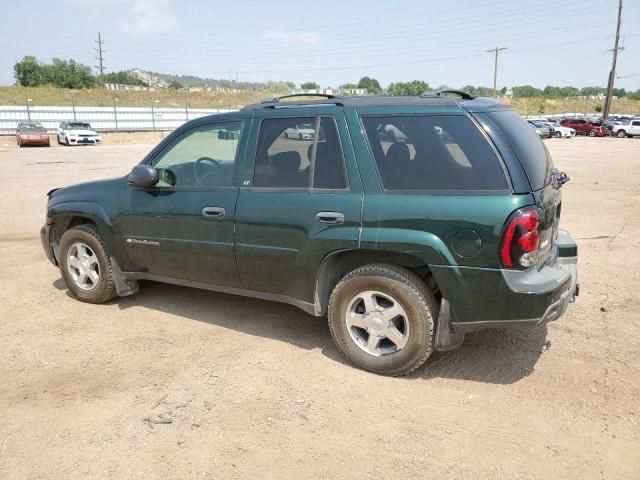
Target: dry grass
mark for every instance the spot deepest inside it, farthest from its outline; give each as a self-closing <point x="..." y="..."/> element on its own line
<point x="47" y="95"/>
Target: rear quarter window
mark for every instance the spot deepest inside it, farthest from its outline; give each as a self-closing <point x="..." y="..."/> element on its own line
<point x="529" y="148"/>
<point x="428" y="152"/>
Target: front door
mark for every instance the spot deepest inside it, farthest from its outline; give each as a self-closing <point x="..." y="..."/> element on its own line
<point x="182" y="227"/>
<point x="301" y="203"/>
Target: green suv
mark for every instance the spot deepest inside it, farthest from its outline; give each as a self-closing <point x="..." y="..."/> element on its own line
<point x="408" y="221"/>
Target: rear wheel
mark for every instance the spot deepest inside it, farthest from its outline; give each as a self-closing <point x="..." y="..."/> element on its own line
<point x="382" y="318"/>
<point x="621" y="134"/>
<point x="85" y="265"/>
<point x="592" y="133"/>
<point x="557" y="134"/>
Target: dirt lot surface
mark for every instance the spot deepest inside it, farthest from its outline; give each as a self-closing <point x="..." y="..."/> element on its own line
<point x="255" y="389"/>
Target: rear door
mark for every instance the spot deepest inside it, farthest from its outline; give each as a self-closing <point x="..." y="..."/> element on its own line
<point x="634" y="127"/>
<point x="300" y="201"/>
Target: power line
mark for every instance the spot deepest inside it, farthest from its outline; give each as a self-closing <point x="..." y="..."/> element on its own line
<point x="100" y="52"/>
<point x="612" y="73"/>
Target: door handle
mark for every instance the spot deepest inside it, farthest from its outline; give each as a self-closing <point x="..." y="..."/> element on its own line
<point x="333" y="218"/>
<point x="213" y="212"/>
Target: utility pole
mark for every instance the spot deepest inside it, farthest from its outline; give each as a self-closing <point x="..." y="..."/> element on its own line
<point x="100" y="52"/>
<point x="612" y="73"/>
<point x="495" y="67"/>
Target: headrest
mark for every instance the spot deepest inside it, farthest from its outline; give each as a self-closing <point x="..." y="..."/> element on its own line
<point x="286" y="161"/>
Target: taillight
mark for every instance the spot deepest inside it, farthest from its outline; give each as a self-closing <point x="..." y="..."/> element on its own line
<point x="521" y="239"/>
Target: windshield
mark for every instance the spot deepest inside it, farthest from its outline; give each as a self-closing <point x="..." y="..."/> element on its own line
<point x="32" y="127"/>
<point x="79" y="125"/>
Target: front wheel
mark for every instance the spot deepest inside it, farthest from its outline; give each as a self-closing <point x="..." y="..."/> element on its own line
<point x="85" y="265"/>
<point x="621" y="134"/>
<point x="382" y="318"/>
<point x="592" y="133"/>
<point x="557" y="134"/>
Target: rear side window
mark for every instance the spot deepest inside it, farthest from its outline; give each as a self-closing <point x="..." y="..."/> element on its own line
<point x="531" y="151"/>
<point x="427" y="152"/>
<point x="299" y="153"/>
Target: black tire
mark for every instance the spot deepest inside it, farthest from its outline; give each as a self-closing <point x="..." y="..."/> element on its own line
<point x="592" y="133"/>
<point x="557" y="134"/>
<point x="104" y="289"/>
<point x="300" y="136"/>
<point x="58" y="140"/>
<point x="621" y="134"/>
<point x="412" y="295"/>
<point x="66" y="141"/>
<point x="286" y="135"/>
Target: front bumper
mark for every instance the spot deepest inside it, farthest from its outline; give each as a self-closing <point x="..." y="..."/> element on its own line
<point x="85" y="140"/>
<point x="488" y="298"/>
<point x="45" y="238"/>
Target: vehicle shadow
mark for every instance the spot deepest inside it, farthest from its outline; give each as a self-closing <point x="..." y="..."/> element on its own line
<point x="492" y="356"/>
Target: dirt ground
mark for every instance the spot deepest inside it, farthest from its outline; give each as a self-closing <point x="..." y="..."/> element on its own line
<point x="255" y="389"/>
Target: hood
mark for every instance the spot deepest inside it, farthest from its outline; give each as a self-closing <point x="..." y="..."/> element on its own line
<point x="81" y="131"/>
<point x="87" y="191"/>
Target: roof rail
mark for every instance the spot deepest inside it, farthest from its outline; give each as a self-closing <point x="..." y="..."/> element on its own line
<point x="293" y="95"/>
<point x="442" y="93"/>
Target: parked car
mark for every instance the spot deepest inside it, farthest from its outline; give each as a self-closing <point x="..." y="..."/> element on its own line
<point x="628" y="130"/>
<point x="542" y="130"/>
<point x="559" y="131"/>
<point x="77" y="133"/>
<point x="406" y="246"/>
<point x="31" y="133"/>
<point x="584" y="127"/>
<point x="302" y="131"/>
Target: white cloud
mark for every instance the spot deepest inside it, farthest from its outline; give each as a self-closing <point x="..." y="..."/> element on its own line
<point x="149" y="16"/>
<point x="303" y="38"/>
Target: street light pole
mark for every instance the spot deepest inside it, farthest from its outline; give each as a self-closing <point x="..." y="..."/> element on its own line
<point x="612" y="73"/>
<point x="29" y="100"/>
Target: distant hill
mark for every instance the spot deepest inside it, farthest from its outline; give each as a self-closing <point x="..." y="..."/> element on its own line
<point x="162" y="80"/>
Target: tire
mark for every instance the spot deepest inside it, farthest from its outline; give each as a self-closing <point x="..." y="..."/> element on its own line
<point x="94" y="291"/>
<point x="286" y="135"/>
<point x="557" y="135"/>
<point x="300" y="136"/>
<point x="592" y="133"/>
<point x="58" y="139"/>
<point x="621" y="134"/>
<point x="388" y="286"/>
<point x="66" y="141"/>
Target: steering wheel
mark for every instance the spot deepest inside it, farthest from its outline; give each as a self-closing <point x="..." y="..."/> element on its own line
<point x="198" y="165"/>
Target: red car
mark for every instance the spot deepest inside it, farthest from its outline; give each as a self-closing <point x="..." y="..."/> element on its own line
<point x="31" y="133"/>
<point x="584" y="127"/>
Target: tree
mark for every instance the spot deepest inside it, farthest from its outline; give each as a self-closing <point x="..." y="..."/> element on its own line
<point x="124" y="78"/>
<point x="309" y="86"/>
<point x="348" y="86"/>
<point x="413" y="88"/>
<point x="371" y="84"/>
<point x="598" y="108"/>
<point x="175" y="85"/>
<point x="526" y="91"/>
<point x="28" y="72"/>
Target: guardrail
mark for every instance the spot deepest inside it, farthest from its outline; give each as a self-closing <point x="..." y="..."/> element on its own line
<point x="102" y="118"/>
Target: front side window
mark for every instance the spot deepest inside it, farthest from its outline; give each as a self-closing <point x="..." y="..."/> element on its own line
<point x="299" y="153"/>
<point x="426" y="152"/>
<point x="202" y="157"/>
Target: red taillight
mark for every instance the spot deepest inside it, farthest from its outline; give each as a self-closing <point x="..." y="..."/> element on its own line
<point x="521" y="238"/>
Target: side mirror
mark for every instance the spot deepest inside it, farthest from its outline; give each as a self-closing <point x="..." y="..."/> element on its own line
<point x="143" y="176"/>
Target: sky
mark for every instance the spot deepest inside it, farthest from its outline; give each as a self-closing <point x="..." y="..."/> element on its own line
<point x="549" y="42"/>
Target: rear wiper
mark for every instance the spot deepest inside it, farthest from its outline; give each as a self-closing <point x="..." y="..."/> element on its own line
<point x="558" y="178"/>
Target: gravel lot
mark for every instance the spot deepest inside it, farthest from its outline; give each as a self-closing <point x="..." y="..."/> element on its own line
<point x="255" y="389"/>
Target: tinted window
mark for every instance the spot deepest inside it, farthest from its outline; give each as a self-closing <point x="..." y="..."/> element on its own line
<point x="433" y="153"/>
<point x="531" y="151"/>
<point x="329" y="163"/>
<point x="202" y="157"/>
<point x="285" y="154"/>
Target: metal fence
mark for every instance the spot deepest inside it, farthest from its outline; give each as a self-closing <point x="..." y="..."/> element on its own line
<point x="101" y="118"/>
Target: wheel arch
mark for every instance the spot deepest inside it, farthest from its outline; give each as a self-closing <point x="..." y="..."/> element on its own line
<point x="337" y="264"/>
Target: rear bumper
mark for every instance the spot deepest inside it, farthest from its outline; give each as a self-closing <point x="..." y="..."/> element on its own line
<point x="487" y="298"/>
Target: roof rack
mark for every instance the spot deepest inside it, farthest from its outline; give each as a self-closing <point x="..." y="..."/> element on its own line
<point x="442" y="93"/>
<point x="293" y="95"/>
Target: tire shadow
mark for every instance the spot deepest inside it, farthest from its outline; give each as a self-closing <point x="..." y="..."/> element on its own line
<point x="492" y="356"/>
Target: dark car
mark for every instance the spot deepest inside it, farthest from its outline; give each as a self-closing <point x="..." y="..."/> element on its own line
<point x="405" y="241"/>
<point x="31" y="133"/>
<point x="584" y="126"/>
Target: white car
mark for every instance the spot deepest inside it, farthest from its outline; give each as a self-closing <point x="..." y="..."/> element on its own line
<point x="559" y="131"/>
<point x="77" y="133"/>
<point x="626" y="130"/>
<point x="302" y="131"/>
